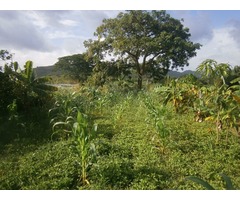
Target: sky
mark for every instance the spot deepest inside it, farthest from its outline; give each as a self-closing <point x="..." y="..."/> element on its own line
<point x="44" y="35"/>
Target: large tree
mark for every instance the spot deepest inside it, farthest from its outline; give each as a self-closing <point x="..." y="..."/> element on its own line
<point x="75" y="65"/>
<point x="152" y="41"/>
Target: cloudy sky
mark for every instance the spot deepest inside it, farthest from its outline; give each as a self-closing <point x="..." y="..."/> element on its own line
<point x="45" y="35"/>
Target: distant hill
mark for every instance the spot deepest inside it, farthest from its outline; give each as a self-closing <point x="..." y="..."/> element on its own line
<point x="49" y="70"/>
<point x="46" y="71"/>
<point x="177" y="74"/>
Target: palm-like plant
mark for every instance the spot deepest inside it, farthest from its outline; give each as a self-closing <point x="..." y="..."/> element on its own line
<point x="207" y="69"/>
<point x="37" y="85"/>
<point x="34" y="88"/>
<point x="214" y="72"/>
<point x="223" y="70"/>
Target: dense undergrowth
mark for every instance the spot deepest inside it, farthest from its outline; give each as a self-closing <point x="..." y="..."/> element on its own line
<point x="130" y="149"/>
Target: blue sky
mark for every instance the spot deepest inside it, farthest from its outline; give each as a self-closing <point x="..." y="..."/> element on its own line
<point x="44" y="35"/>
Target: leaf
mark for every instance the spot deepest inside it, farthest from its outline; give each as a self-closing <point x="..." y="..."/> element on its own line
<point x="236" y="80"/>
<point x="229" y="185"/>
<point x="209" y="118"/>
<point x="236" y="98"/>
<point x="200" y="181"/>
<point x="57" y="124"/>
<point x="95" y="127"/>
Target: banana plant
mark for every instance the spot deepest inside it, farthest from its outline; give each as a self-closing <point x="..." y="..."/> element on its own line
<point x="36" y="85"/>
<point x="207" y="69"/>
<point x="32" y="91"/>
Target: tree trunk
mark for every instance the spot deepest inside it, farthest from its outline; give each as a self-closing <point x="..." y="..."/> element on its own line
<point x="140" y="74"/>
<point x="139" y="81"/>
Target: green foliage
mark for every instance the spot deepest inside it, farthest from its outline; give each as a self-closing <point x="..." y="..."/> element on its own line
<point x="229" y="185"/>
<point x="5" y="55"/>
<point x="23" y="87"/>
<point x="181" y="95"/>
<point x="83" y="136"/>
<point x="109" y="71"/>
<point x="50" y="166"/>
<point x="12" y="109"/>
<point x="150" y="41"/>
<point x="158" y="115"/>
<point x="75" y="65"/>
<point x="21" y="94"/>
<point x="71" y="123"/>
<point x="139" y="142"/>
<point x="213" y="72"/>
<point x="128" y="152"/>
<point x="120" y="108"/>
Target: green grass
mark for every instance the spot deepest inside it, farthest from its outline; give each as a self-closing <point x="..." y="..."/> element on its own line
<point x="129" y="151"/>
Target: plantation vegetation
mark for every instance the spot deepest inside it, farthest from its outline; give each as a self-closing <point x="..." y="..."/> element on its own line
<point x="125" y="125"/>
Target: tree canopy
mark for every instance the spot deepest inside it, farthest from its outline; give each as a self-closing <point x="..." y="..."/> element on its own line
<point x="75" y="65"/>
<point x="151" y="41"/>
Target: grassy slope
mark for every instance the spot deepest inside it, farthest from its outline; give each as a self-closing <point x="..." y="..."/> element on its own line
<point x="130" y="155"/>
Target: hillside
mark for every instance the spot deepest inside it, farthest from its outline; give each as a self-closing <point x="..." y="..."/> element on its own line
<point x="45" y="71"/>
<point x="177" y="74"/>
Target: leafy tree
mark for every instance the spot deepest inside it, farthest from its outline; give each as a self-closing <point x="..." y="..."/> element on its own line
<point x="5" y="55"/>
<point x="75" y="65"/>
<point x="151" y="41"/>
<point x="105" y="71"/>
<point x="6" y="84"/>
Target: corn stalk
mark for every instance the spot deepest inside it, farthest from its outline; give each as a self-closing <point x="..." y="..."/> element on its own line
<point x="83" y="136"/>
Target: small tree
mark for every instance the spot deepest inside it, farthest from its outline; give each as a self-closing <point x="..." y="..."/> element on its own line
<point x="151" y="41"/>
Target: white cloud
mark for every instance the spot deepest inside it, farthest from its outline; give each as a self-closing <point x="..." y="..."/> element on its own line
<point x="235" y="32"/>
<point x="38" y="58"/>
<point x="68" y="22"/>
<point x="44" y="36"/>
<point x="17" y="31"/>
<point x="222" y="48"/>
<point x="60" y="34"/>
<point x="199" y="23"/>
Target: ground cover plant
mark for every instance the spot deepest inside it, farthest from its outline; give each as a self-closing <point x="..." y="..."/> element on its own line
<point x="130" y="149"/>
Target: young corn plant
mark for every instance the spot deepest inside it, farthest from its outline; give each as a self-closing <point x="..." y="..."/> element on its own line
<point x="119" y="110"/>
<point x="64" y="112"/>
<point x="158" y="114"/>
<point x="71" y="121"/>
<point x="83" y="136"/>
